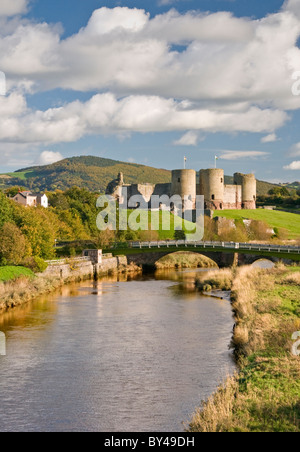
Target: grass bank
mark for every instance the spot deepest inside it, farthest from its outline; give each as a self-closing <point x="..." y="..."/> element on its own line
<point x="274" y="218"/>
<point x="9" y="273"/>
<point x="264" y="396"/>
<point x="25" y="289"/>
<point x="183" y="259"/>
<point x="21" y="285"/>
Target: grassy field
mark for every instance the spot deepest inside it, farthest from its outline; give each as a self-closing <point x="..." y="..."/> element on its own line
<point x="264" y="396"/>
<point x="22" y="175"/>
<point x="275" y="219"/>
<point x="9" y="273"/>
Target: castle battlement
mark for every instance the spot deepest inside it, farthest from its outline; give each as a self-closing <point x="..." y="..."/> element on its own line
<point x="211" y="185"/>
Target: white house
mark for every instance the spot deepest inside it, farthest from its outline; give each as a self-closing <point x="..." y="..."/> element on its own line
<point x="28" y="199"/>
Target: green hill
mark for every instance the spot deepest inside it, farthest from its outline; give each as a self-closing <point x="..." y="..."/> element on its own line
<point x="93" y="173"/>
<point x="274" y="219"/>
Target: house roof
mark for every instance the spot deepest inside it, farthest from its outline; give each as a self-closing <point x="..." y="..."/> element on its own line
<point x="26" y="194"/>
<point x="29" y="193"/>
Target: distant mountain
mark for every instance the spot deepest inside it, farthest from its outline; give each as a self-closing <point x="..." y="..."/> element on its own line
<point x="93" y="173"/>
<point x="293" y="185"/>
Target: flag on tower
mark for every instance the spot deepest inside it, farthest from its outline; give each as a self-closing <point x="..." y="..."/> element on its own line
<point x="185" y="160"/>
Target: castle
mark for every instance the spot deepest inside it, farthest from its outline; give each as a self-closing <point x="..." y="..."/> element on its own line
<point x="185" y="183"/>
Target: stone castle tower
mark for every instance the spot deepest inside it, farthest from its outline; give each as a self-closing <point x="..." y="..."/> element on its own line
<point x="217" y="195"/>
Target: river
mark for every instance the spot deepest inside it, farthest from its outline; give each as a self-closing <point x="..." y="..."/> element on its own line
<point x="114" y="356"/>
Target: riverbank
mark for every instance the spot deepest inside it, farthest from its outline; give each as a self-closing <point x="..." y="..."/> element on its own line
<point x="24" y="289"/>
<point x="264" y="396"/>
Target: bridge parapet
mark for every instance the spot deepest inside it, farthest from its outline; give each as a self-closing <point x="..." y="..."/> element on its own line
<point x="225" y="254"/>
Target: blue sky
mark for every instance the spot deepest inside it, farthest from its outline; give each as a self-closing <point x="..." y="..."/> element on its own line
<point x="152" y="82"/>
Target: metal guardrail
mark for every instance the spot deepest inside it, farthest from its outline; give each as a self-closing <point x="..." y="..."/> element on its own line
<point x="217" y="245"/>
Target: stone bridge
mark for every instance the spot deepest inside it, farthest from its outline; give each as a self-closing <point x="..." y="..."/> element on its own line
<point x="220" y="258"/>
<point x="225" y="254"/>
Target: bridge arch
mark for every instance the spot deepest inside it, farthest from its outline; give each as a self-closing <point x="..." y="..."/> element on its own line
<point x="261" y="262"/>
<point x="148" y="259"/>
<point x="185" y="259"/>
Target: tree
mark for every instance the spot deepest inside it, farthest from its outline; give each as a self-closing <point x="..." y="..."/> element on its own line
<point x="179" y="235"/>
<point x="6" y="210"/>
<point x="39" y="228"/>
<point x="59" y="201"/>
<point x="13" y="246"/>
<point x="13" y="191"/>
<point x="279" y="191"/>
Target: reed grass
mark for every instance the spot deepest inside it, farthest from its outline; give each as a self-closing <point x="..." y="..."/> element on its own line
<point x="265" y="395"/>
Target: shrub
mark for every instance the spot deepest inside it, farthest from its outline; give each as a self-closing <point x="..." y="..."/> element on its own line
<point x="179" y="235"/>
<point x="12" y="245"/>
<point x="36" y="264"/>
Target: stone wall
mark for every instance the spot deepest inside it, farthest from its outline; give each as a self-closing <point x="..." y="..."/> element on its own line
<point x="232" y="197"/>
<point x="70" y="269"/>
<point x="85" y="269"/>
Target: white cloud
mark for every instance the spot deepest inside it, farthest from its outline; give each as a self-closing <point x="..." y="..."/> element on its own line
<point x="49" y="157"/>
<point x="234" y="74"/>
<point x="107" y="20"/>
<point x="292" y="6"/>
<point x="17" y="155"/>
<point x="188" y="139"/>
<point x="226" y="59"/>
<point x="165" y="2"/>
<point x="238" y="155"/>
<point x="269" y="138"/>
<point x="12" y="7"/>
<point x="293" y="166"/>
<point x="106" y="114"/>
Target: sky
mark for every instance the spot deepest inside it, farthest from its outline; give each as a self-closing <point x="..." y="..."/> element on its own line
<point x="151" y="83"/>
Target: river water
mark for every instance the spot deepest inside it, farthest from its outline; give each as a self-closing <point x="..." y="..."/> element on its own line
<point x="114" y="356"/>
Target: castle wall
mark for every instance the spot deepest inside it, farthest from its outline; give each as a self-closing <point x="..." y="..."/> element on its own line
<point x="146" y="190"/>
<point x="163" y="189"/>
<point x="232" y="197"/>
<point x="217" y="195"/>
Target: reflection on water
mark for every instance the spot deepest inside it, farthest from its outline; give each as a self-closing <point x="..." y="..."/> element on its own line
<point x="114" y="356"/>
